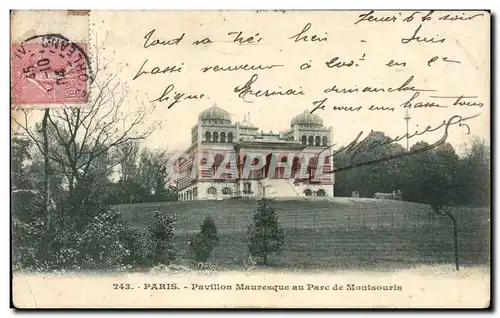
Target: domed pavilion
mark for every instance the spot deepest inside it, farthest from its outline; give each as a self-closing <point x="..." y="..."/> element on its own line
<point x="228" y="160"/>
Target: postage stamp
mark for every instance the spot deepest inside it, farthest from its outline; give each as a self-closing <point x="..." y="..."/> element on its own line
<point x="49" y="69"/>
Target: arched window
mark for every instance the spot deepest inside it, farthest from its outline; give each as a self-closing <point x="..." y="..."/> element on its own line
<point x="227" y="191"/>
<point x="321" y="193"/>
<point x="318" y="141"/>
<point x="325" y="141"/>
<point x="308" y="192"/>
<point x="208" y="136"/>
<point x="311" y="141"/>
<point x="304" y="140"/>
<point x="230" y="137"/>
<point x="222" y="137"/>
<point x="215" y="136"/>
<point x="212" y="191"/>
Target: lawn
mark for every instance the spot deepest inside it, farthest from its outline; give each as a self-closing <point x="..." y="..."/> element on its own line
<point x="343" y="233"/>
<point x="378" y="249"/>
<point x="235" y="215"/>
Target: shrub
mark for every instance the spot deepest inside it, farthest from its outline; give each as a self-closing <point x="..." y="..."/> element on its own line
<point x="98" y="244"/>
<point x="203" y="243"/>
<point x="265" y="235"/>
<point x="102" y="241"/>
<point x="160" y="233"/>
<point x="171" y="269"/>
<point x="136" y="244"/>
<point x="206" y="268"/>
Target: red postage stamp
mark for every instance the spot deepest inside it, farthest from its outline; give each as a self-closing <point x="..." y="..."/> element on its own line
<point x="49" y="69"/>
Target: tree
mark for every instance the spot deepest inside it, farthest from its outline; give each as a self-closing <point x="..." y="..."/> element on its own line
<point x="153" y="171"/>
<point x="161" y="231"/>
<point x="203" y="243"/>
<point x="145" y="177"/>
<point x="126" y="192"/>
<point x="474" y="174"/>
<point x="85" y="144"/>
<point x="265" y="235"/>
<point x="380" y="177"/>
<point x="20" y="154"/>
<point x="417" y="171"/>
<point x="82" y="147"/>
<point x="99" y="131"/>
<point x="130" y="152"/>
<point x="441" y="187"/>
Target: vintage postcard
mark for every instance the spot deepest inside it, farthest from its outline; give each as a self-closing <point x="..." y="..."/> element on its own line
<point x="250" y="159"/>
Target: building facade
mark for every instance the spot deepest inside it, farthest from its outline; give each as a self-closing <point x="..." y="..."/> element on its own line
<point x="227" y="160"/>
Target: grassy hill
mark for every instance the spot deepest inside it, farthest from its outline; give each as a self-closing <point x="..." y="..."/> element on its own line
<point x="332" y="234"/>
<point x="234" y="215"/>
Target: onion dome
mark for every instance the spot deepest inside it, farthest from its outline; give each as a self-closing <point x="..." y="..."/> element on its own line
<point x="215" y="114"/>
<point x="307" y="119"/>
<point x="246" y="124"/>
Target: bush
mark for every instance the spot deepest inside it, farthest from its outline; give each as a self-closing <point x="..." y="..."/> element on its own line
<point x="136" y="244"/>
<point x="97" y="244"/>
<point x="206" y="268"/>
<point x="203" y="243"/>
<point x="103" y="241"/>
<point x="171" y="269"/>
<point x="265" y="235"/>
<point x="160" y="233"/>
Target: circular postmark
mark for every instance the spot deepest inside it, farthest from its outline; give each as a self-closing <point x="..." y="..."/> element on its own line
<point x="50" y="69"/>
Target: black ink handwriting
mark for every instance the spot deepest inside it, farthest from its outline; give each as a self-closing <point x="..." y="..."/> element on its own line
<point x="369" y="17"/>
<point x="355" y="147"/>
<point x="460" y="100"/>
<point x="416" y="38"/>
<point x="334" y="62"/>
<point x="320" y="104"/>
<point x="445" y="59"/>
<point x="241" y="67"/>
<point x="406" y="86"/>
<point x="412" y="104"/>
<point x="246" y="89"/>
<point x="449" y="17"/>
<point x="150" y="43"/>
<point x="301" y="36"/>
<point x="177" y="96"/>
<point x="156" y="70"/>
<point x="392" y="63"/>
<point x="238" y="38"/>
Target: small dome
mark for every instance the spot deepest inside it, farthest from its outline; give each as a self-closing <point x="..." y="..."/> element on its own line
<point x="215" y="113"/>
<point x="306" y="118"/>
<point x="246" y="124"/>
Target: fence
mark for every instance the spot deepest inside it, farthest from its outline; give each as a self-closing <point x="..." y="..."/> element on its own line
<point x="339" y="234"/>
<point x="235" y="215"/>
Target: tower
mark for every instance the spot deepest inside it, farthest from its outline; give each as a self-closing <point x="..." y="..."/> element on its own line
<point x="407" y="118"/>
